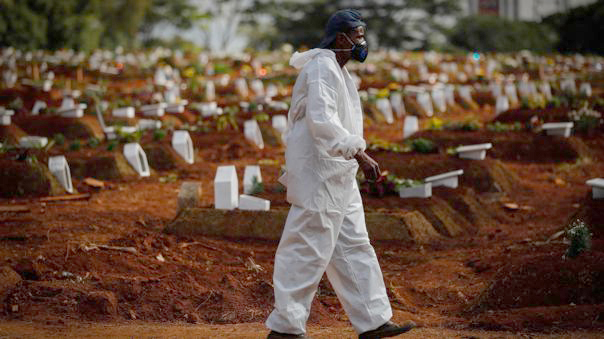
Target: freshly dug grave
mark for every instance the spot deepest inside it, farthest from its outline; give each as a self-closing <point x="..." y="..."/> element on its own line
<point x="511" y="146"/>
<point x="544" y="290"/>
<point x="102" y="165"/>
<point x="27" y="178"/>
<point x="483" y="176"/>
<point x="72" y="128"/>
<point x="162" y="157"/>
<point x="591" y="213"/>
<point x="411" y="227"/>
<point x="525" y="115"/>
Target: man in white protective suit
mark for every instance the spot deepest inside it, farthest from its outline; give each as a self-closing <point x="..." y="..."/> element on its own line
<point x="325" y="230"/>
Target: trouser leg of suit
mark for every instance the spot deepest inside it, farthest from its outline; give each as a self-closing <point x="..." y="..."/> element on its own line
<point x="305" y="251"/>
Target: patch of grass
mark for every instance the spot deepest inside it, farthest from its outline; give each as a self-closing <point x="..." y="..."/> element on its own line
<point x="75" y="146"/>
<point x="422" y="145"/>
<point x="59" y="139"/>
<point x="580" y="239"/>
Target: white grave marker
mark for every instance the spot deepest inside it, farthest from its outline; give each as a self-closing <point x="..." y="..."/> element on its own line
<point x="271" y="91"/>
<point x="410" y="126"/>
<point x="450" y="95"/>
<point x="279" y="123"/>
<point x="59" y="167"/>
<point x="465" y="92"/>
<point x="33" y="142"/>
<point x="241" y="88"/>
<point x="396" y="101"/>
<point x="5" y="116"/>
<point x="209" y="109"/>
<point x="124" y="112"/>
<point x="510" y="92"/>
<point x="137" y="158"/>
<point x="449" y="179"/>
<point x="183" y="145"/>
<point x="597" y="187"/>
<point x="585" y="89"/>
<point x="568" y="85"/>
<point x="425" y="102"/>
<point x="38" y="106"/>
<point x="474" y="152"/>
<point x="419" y="191"/>
<point x="258" y="87"/>
<point x="251" y="172"/>
<point x="226" y="188"/>
<point x="176" y="107"/>
<point x="155" y="110"/>
<point x="251" y="131"/>
<point x="502" y="104"/>
<point x="438" y="96"/>
<point x="383" y="105"/>
<point x="70" y="109"/>
<point x="250" y="203"/>
<point x="210" y="91"/>
<point x="546" y="90"/>
<point x="146" y="124"/>
<point x="558" y="128"/>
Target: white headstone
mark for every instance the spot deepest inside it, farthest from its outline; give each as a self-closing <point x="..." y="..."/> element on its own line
<point x="155" y="110"/>
<point x="510" y="92"/>
<point x="146" y="124"/>
<point x="502" y="104"/>
<point x="5" y="116"/>
<point x="465" y="92"/>
<point x="209" y="108"/>
<point x="123" y="112"/>
<point x="568" y="85"/>
<point x="546" y="90"/>
<point x="585" y="89"/>
<point x="438" y="96"/>
<point x="70" y="109"/>
<point x="419" y="191"/>
<point x="396" y="101"/>
<point x="271" y="91"/>
<point x="241" y="88"/>
<point x="425" y="102"/>
<point x="279" y="122"/>
<point x="251" y="172"/>
<point x="558" y="128"/>
<point x="226" y="188"/>
<point x="597" y="187"/>
<point x="59" y="167"/>
<point x="251" y="131"/>
<point x="450" y="95"/>
<point x="177" y="107"/>
<point x="449" y="179"/>
<point x="39" y="105"/>
<point x="210" y="91"/>
<point x="47" y="85"/>
<point x="496" y="89"/>
<point x="383" y="105"/>
<point x="411" y="125"/>
<point x="137" y="158"/>
<point x="183" y="145"/>
<point x="250" y="203"/>
<point x="258" y="87"/>
<point x="474" y="152"/>
<point x="33" y="142"/>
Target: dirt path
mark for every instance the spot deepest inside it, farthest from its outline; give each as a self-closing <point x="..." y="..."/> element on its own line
<point x="242" y="331"/>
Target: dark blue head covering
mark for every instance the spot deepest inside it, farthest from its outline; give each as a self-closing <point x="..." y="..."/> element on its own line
<point x="341" y="21"/>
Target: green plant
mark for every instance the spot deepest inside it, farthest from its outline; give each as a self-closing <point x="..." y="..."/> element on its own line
<point x="112" y="145"/>
<point x="586" y="119"/>
<point x="386" y="184"/>
<point x="76" y="145"/>
<point x="16" y="104"/>
<point x="129" y="137"/>
<point x="257" y="186"/>
<point x="93" y="142"/>
<point x="502" y="127"/>
<point x="580" y="239"/>
<point x="261" y="117"/>
<point x="384" y="145"/>
<point x="59" y="139"/>
<point x="422" y="145"/>
<point x="226" y="120"/>
<point x="158" y="134"/>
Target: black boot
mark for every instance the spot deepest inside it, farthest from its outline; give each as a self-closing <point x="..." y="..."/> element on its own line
<point x="389" y="329"/>
<point x="277" y="335"/>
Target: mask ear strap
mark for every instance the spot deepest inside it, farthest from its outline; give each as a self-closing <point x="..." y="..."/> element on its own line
<point x="345" y="50"/>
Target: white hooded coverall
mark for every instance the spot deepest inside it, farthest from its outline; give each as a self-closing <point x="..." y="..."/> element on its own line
<point x="325" y="230"/>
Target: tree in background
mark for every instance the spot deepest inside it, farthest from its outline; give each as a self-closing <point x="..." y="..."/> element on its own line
<point x="580" y="29"/>
<point x="485" y="33"/>
<point x="87" y="24"/>
<point x="391" y="23"/>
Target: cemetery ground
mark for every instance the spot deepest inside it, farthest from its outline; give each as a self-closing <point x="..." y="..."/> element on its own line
<point x="484" y="260"/>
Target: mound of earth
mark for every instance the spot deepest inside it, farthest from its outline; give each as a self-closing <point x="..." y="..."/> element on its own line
<point x="525" y="115"/>
<point x="511" y="146"/>
<point x="27" y="178"/>
<point x="11" y="134"/>
<point x="483" y="176"/>
<point x="162" y="157"/>
<point x="72" y="128"/>
<point x="591" y="213"/>
<point x="103" y="165"/>
<point x="546" y="279"/>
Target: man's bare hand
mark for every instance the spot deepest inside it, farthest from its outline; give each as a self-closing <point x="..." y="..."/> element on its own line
<point x="370" y="167"/>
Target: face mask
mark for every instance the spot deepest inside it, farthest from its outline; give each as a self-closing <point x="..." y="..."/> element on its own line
<point x="359" y="51"/>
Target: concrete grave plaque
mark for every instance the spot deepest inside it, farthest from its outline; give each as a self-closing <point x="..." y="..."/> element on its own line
<point x="38" y="106"/>
<point x="226" y="188"/>
<point x="241" y="88"/>
<point x="425" y="102"/>
<point x="383" y="105"/>
<point x="558" y="128"/>
<point x="155" y="110"/>
<point x="251" y="172"/>
<point x="177" y="107"/>
<point x="420" y="191"/>
<point x="438" y="96"/>
<point x="585" y="89"/>
<point x="597" y="187"/>
<point x="123" y="112"/>
<point x="465" y="92"/>
<point x="410" y="126"/>
<point x="279" y="123"/>
<point x="146" y="124"/>
<point x="568" y="85"/>
<point x="258" y="87"/>
<point x="251" y="131"/>
<point x="33" y="142"/>
<point x="69" y="109"/>
<point x="210" y="91"/>
<point x="449" y="179"/>
<point x="137" y="158"/>
<point x="5" y="116"/>
<point x="271" y="91"/>
<point x="209" y="109"/>
<point x="59" y="167"/>
<point x="250" y="203"/>
<point x="474" y="152"/>
<point x="183" y="145"/>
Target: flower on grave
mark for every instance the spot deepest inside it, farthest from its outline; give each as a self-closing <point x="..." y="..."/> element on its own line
<point x="435" y="124"/>
<point x="580" y="239"/>
<point x="383" y="93"/>
<point x="393" y="86"/>
<point x="189" y="72"/>
<point x="585" y="118"/>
